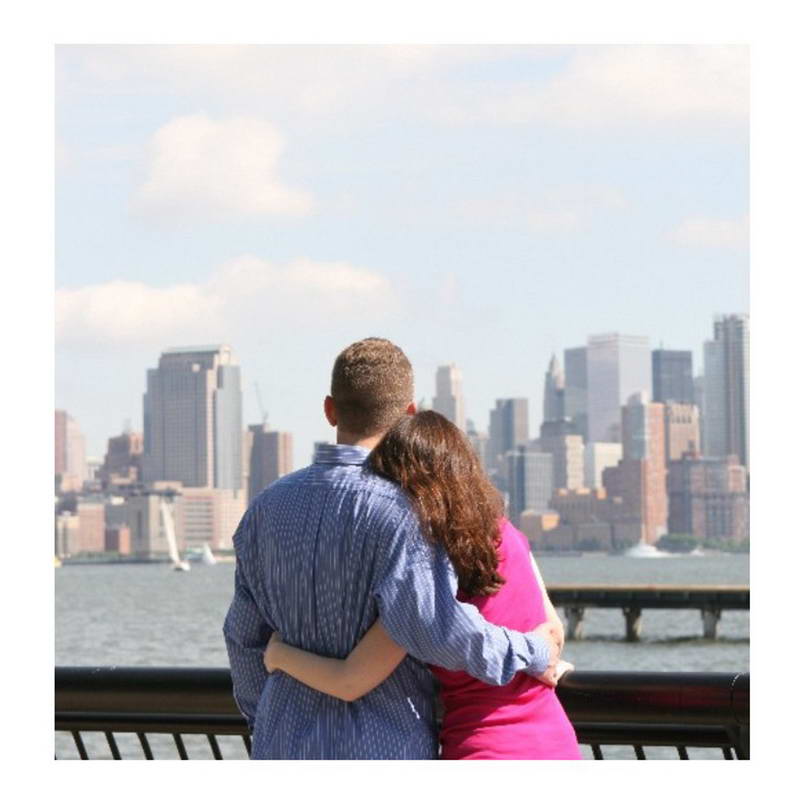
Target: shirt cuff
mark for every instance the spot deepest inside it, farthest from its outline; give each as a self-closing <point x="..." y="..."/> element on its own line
<point x="538" y="650"/>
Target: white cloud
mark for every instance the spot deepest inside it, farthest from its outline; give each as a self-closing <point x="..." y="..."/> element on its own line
<point x="244" y="297"/>
<point x="622" y="85"/>
<point x="717" y="233"/>
<point x="199" y="168"/>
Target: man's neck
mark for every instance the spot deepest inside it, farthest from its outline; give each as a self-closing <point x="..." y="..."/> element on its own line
<point x="357" y="441"/>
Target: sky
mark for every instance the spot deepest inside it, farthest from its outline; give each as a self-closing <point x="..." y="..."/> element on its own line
<point x="478" y="205"/>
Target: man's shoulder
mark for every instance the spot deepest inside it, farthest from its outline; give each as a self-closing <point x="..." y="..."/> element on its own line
<point x="359" y="482"/>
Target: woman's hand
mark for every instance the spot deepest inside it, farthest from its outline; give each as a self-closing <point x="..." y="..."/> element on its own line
<point x="271" y="651"/>
<point x="562" y="667"/>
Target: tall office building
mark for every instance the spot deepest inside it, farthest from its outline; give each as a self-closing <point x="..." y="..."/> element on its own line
<point x="597" y="456"/>
<point x="708" y="498"/>
<point x="672" y="376"/>
<point x="567" y="449"/>
<point x="726" y="388"/>
<point x="123" y="460"/>
<point x="529" y="478"/>
<point x="576" y="383"/>
<point x="681" y="431"/>
<point x="70" y="453"/>
<point x="553" y="406"/>
<point x="193" y="419"/>
<point x="449" y="399"/>
<point x="508" y="427"/>
<point x="642" y="471"/>
<point x="270" y="457"/>
<point x="618" y="366"/>
<point x="480" y="443"/>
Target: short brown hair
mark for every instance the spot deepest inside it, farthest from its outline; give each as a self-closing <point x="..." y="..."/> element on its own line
<point x="372" y="385"/>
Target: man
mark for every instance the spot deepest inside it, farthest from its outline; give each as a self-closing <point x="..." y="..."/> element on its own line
<point x="321" y="553"/>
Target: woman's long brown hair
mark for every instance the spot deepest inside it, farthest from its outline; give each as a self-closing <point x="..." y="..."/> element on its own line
<point x="457" y="505"/>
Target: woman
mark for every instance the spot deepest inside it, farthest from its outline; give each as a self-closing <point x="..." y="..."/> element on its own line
<point x="461" y="511"/>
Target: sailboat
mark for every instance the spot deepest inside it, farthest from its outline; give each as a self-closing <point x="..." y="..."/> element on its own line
<point x="169" y="530"/>
<point x="208" y="557"/>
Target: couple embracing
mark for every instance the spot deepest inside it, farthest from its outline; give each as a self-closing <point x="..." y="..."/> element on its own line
<point x="382" y="577"/>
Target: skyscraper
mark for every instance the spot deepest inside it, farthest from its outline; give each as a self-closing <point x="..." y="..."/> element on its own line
<point x="597" y="456"/>
<point x="553" y="406"/>
<point x="508" y="427"/>
<point x="618" y="366"/>
<point x="642" y="471"/>
<point x="449" y="399"/>
<point x="576" y="384"/>
<point x="726" y="388"/>
<point x="270" y="457"/>
<point x="566" y="448"/>
<point x="681" y="430"/>
<point x="193" y="419"/>
<point x="529" y="477"/>
<point x="70" y="453"/>
<point x="672" y="376"/>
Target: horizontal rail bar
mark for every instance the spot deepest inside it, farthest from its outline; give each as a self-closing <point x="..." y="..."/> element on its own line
<point x="730" y="598"/>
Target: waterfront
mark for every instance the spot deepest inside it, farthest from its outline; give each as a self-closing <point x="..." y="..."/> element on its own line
<point x="148" y="615"/>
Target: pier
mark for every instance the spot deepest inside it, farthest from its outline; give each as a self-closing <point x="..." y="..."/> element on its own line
<point x="711" y="601"/>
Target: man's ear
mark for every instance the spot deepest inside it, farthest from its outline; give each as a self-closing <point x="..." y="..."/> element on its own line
<point x="412" y="409"/>
<point x="330" y="411"/>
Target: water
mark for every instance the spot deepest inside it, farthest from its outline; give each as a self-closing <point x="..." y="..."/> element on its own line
<point x="149" y="615"/>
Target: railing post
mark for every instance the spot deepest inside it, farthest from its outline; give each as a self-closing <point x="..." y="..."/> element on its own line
<point x="574" y="622"/>
<point x="633" y="623"/>
<point x="710" y="619"/>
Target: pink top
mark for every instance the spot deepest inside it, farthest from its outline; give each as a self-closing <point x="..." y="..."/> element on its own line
<point x="523" y="719"/>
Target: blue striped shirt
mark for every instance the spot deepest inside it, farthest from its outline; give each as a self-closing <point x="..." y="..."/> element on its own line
<point x="319" y="555"/>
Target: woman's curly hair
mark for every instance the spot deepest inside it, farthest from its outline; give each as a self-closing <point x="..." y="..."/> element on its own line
<point x="458" y="507"/>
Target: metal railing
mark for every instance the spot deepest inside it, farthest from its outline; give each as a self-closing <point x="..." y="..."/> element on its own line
<point x="678" y="710"/>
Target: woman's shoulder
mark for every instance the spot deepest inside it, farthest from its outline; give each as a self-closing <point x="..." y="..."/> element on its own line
<point x="510" y="535"/>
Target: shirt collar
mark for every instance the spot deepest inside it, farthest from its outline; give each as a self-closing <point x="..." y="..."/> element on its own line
<point x="341" y="454"/>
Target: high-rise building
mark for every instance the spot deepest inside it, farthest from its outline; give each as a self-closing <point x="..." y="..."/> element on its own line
<point x="726" y="388"/>
<point x="597" y="456"/>
<point x="449" y="399"/>
<point x="70" y="453"/>
<point x="618" y="366"/>
<point x="208" y="516"/>
<point x="529" y="477"/>
<point x="553" y="406"/>
<point x="576" y="383"/>
<point x="508" y="427"/>
<point x="681" y="430"/>
<point x="193" y="419"/>
<point x="566" y="448"/>
<point x="672" y="376"/>
<point x="708" y="498"/>
<point x="270" y="457"/>
<point x="642" y="471"/>
<point x="480" y="443"/>
<point x="123" y="460"/>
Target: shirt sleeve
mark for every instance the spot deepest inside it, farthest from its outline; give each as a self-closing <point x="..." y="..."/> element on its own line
<point x="416" y="597"/>
<point x="246" y="631"/>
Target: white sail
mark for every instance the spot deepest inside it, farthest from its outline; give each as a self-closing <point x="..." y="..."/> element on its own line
<point x="208" y="556"/>
<point x="169" y="529"/>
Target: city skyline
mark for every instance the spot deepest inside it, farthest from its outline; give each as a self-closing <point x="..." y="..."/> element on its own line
<point x="464" y="202"/>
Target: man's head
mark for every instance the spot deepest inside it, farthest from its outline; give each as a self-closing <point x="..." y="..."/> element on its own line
<point x="372" y="386"/>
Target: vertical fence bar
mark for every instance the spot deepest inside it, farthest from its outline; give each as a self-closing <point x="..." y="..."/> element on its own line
<point x="597" y="752"/>
<point x="247" y="744"/>
<point x="112" y="745"/>
<point x="148" y="753"/>
<point x="181" y="749"/>
<point x="212" y="740"/>
<point x="639" y="750"/>
<point x="683" y="755"/>
<point x="76" y="735"/>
